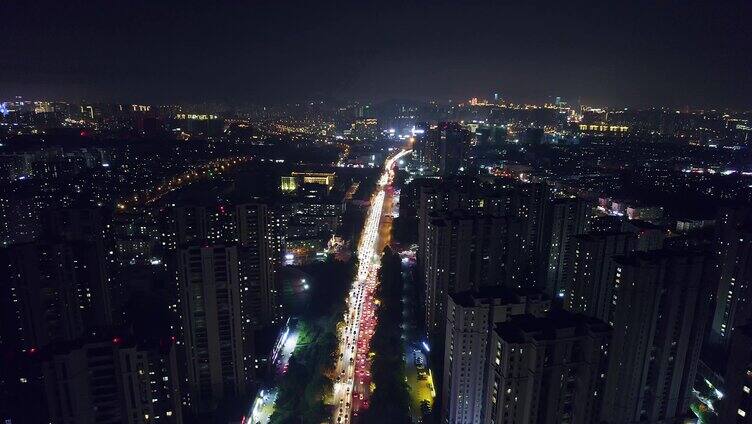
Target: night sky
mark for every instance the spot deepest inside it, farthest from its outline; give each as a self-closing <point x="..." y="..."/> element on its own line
<point x="618" y="53"/>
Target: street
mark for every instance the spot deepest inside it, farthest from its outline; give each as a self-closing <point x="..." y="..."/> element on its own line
<point x="262" y="407"/>
<point x="360" y="314"/>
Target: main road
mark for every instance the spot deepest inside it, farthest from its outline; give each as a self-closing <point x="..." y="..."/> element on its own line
<point x="365" y="281"/>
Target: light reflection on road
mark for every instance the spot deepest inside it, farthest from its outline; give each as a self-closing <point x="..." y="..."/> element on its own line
<point x="364" y="283"/>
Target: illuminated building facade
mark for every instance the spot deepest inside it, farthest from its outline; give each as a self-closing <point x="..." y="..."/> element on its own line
<point x="603" y="128"/>
<point x="320" y="178"/>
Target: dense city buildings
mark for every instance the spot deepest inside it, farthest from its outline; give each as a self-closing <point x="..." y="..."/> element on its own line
<point x="157" y="259"/>
<point x="559" y="273"/>
<point x="562" y="264"/>
<point x="264" y="214"/>
<point x="368" y="213"/>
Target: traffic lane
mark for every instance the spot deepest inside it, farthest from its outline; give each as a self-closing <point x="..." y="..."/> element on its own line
<point x="367" y="256"/>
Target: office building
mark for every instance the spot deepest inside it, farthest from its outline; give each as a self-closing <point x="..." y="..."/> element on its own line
<point x="299" y="179"/>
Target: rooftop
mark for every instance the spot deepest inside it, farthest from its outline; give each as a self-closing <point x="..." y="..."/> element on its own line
<point x="489" y="294"/>
<point x="523" y="328"/>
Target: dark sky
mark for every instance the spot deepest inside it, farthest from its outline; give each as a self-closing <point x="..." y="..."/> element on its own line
<point x="611" y="52"/>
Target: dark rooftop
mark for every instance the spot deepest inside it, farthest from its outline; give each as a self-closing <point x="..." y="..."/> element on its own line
<point x="503" y="294"/>
<point x="522" y="327"/>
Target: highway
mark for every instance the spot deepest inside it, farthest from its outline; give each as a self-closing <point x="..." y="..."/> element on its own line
<point x="360" y="312"/>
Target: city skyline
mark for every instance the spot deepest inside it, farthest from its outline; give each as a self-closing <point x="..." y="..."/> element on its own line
<point x="365" y="213"/>
<point x="637" y="55"/>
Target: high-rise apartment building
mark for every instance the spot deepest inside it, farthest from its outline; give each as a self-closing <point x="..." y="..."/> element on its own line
<point x="734" y="247"/>
<point x="256" y="229"/>
<point x="261" y="239"/>
<point x="736" y="405"/>
<point x="569" y="218"/>
<point x="533" y="210"/>
<point x="466" y="251"/>
<point x="216" y="358"/>
<point x="55" y="290"/>
<point x="112" y="381"/>
<point x="435" y="196"/>
<point x="444" y="149"/>
<point x="548" y="370"/>
<point x="661" y="300"/>
<point x="594" y="268"/>
<point x="471" y="316"/>
<point x="197" y="223"/>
